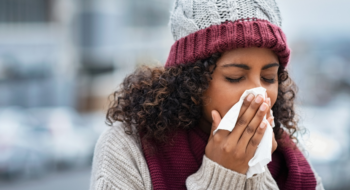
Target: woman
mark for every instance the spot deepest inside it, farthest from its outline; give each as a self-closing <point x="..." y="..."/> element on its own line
<point x="163" y="117"/>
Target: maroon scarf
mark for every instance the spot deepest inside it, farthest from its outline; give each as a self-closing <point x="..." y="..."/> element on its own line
<point x="171" y="166"/>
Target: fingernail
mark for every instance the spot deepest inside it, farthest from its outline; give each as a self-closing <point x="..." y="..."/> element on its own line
<point x="263" y="107"/>
<point x="250" y="97"/>
<point x="262" y="125"/>
<point x="258" y="99"/>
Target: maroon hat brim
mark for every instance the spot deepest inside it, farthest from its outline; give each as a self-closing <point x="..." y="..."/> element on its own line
<point x="229" y="35"/>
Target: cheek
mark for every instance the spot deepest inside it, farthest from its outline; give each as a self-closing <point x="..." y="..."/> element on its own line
<point x="272" y="93"/>
<point x="220" y="96"/>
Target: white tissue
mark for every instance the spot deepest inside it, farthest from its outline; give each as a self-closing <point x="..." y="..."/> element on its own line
<point x="262" y="155"/>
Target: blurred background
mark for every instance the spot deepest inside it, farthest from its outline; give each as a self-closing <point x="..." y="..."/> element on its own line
<point x="60" y="59"/>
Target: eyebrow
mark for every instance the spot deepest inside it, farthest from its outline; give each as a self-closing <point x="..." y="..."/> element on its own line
<point x="246" y="67"/>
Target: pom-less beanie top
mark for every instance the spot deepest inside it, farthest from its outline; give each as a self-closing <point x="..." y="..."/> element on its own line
<point x="203" y="27"/>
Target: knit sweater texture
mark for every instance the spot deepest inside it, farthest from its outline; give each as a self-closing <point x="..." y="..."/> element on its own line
<point x="119" y="163"/>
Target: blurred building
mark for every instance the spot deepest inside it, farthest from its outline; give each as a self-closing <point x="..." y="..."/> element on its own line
<point x="321" y="66"/>
<point x="76" y="52"/>
<point x="38" y="61"/>
<point x="115" y="36"/>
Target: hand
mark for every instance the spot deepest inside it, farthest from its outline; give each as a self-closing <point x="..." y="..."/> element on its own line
<point x="270" y="119"/>
<point x="233" y="150"/>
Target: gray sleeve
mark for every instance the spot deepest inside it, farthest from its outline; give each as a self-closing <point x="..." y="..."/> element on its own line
<point x="118" y="163"/>
<point x="211" y="175"/>
<point x="262" y="181"/>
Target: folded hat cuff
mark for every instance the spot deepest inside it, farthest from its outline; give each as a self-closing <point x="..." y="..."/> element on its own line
<point x="229" y="35"/>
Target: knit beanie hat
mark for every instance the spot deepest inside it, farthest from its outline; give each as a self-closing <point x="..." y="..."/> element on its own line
<point x="201" y="28"/>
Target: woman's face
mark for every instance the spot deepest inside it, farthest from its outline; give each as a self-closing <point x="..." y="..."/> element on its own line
<point x="238" y="70"/>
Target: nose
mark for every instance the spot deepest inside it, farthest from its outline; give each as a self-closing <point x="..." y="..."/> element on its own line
<point x="254" y="83"/>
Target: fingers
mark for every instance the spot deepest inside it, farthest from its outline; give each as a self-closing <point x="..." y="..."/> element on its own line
<point x="269" y="117"/>
<point x="245" y="119"/>
<point x="268" y="101"/>
<point x="255" y="140"/>
<point x="270" y="120"/>
<point x="216" y="120"/>
<point x="246" y="104"/>
<point x="250" y="130"/>
<point x="213" y="125"/>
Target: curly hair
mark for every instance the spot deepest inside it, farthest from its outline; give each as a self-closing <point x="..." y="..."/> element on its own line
<point x="157" y="101"/>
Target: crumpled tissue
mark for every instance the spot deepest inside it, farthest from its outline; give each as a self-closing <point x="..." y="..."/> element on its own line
<point x="262" y="155"/>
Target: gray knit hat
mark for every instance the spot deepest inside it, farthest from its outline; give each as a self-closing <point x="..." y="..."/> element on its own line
<point x="203" y="27"/>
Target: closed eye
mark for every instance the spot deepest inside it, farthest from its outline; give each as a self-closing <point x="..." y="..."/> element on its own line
<point x="238" y="79"/>
<point x="233" y="80"/>
<point x="269" y="80"/>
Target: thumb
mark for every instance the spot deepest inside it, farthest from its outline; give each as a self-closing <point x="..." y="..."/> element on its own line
<point x="216" y="120"/>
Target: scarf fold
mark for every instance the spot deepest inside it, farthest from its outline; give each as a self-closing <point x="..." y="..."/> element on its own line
<point x="172" y="164"/>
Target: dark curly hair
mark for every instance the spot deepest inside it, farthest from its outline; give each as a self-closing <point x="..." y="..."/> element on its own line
<point x="156" y="101"/>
